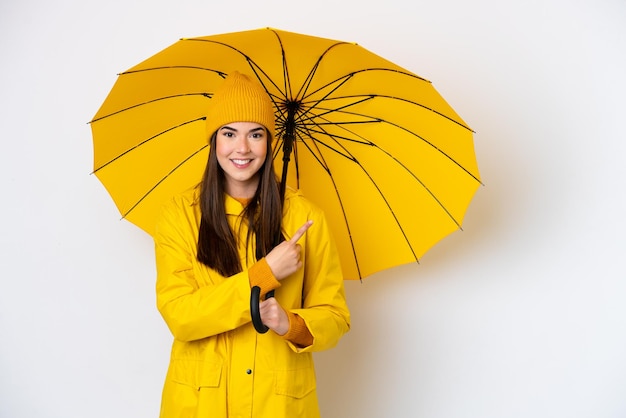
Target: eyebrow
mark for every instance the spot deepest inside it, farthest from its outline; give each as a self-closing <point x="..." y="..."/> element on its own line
<point x="260" y="128"/>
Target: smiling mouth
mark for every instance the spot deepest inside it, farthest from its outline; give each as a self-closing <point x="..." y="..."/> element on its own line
<point x="241" y="163"/>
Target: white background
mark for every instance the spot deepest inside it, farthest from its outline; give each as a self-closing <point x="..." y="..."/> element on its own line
<point x="522" y="314"/>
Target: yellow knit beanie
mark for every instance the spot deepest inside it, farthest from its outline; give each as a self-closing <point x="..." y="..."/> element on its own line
<point x="239" y="99"/>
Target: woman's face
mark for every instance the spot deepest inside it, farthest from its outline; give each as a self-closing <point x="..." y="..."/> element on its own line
<point x="241" y="148"/>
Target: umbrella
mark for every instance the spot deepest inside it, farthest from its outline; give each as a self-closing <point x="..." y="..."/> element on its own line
<point x="373" y="144"/>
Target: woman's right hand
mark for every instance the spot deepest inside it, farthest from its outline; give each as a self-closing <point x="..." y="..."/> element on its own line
<point x="284" y="259"/>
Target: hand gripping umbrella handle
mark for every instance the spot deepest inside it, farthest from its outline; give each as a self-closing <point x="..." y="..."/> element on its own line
<point x="255" y="299"/>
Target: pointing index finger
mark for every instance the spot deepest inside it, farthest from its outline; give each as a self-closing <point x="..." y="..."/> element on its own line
<point x="300" y="232"/>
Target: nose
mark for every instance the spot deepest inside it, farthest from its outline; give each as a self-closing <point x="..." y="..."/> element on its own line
<point x="242" y="145"/>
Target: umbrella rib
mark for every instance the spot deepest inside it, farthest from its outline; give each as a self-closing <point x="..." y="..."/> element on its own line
<point x="262" y="77"/>
<point x="378" y="120"/>
<point x="327" y="111"/>
<point x="380" y="192"/>
<point x="430" y="192"/>
<point x="304" y="131"/>
<point x="253" y="66"/>
<point x="145" y="142"/>
<point x="169" y="67"/>
<point x="370" y="97"/>
<point x="345" y="78"/>
<point x="309" y="122"/>
<point x="442" y="152"/>
<point x="374" y="96"/>
<point x="174" y="96"/>
<point x="260" y="74"/>
<point x="163" y="179"/>
<point x="286" y="78"/>
<point x="367" y="142"/>
<point x="257" y="69"/>
<point x="324" y="164"/>
<point x="370" y="143"/>
<point x="309" y="78"/>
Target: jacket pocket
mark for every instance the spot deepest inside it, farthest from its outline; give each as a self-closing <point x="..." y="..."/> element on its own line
<point x="295" y="383"/>
<point x="196" y="373"/>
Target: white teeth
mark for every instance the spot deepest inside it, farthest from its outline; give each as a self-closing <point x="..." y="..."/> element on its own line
<point x="241" y="162"/>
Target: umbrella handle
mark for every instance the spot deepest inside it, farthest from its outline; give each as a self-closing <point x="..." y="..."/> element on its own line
<point x="255" y="299"/>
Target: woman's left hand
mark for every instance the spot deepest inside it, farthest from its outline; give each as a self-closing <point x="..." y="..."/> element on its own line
<point x="274" y="316"/>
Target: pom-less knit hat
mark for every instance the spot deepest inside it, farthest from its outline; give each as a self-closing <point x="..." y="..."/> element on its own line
<point x="239" y="99"/>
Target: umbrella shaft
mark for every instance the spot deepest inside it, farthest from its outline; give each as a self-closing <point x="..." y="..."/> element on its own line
<point x="288" y="139"/>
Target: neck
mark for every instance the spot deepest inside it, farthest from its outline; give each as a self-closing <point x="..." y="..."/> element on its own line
<point x="242" y="191"/>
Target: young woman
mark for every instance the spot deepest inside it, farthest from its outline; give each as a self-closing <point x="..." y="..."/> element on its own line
<point x="217" y="241"/>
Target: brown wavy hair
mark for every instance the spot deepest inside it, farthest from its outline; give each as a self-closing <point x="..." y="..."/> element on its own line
<point x="217" y="242"/>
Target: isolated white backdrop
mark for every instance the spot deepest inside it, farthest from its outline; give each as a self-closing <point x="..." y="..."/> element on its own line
<point x="520" y="315"/>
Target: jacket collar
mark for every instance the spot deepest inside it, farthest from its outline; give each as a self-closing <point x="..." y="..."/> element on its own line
<point x="232" y="205"/>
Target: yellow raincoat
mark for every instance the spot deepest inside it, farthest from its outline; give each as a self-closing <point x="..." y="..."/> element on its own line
<point x="220" y="366"/>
